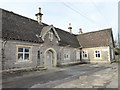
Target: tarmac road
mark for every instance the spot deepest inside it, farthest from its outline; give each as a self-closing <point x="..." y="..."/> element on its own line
<point x="52" y="77"/>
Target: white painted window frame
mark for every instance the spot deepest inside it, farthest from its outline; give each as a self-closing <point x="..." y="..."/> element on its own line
<point x="66" y="55"/>
<point x="23" y="60"/>
<point x="83" y="54"/>
<point x="98" y="52"/>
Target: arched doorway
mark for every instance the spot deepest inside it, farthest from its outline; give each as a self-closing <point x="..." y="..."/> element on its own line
<point x="50" y="57"/>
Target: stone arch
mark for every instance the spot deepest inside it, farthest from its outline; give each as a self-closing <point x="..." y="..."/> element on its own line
<point x="53" y="60"/>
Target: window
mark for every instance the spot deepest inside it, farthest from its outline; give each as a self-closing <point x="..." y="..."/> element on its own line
<point x="23" y="54"/>
<point x="77" y="55"/>
<point x="84" y="54"/>
<point x="66" y="55"/>
<point x="97" y="54"/>
<point x="50" y="36"/>
<point x="38" y="54"/>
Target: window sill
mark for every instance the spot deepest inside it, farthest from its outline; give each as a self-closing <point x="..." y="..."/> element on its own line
<point x="67" y="59"/>
<point x="97" y="58"/>
<point x="84" y="58"/>
<point x="23" y="61"/>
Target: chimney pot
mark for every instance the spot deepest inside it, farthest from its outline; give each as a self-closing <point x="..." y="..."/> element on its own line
<point x="39" y="15"/>
<point x="39" y="10"/>
<point x="80" y="31"/>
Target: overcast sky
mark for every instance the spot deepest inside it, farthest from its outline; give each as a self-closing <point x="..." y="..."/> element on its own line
<point x="90" y="15"/>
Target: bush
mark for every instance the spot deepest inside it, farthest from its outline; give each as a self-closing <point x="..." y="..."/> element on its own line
<point x="117" y="51"/>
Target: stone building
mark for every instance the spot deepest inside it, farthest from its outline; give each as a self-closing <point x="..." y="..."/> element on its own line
<point x="30" y="43"/>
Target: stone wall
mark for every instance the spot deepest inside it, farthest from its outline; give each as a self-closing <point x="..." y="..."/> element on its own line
<point x="72" y="51"/>
<point x="54" y="44"/>
<point x="0" y="39"/>
<point x="10" y="55"/>
<point x="105" y="56"/>
<point x="117" y="57"/>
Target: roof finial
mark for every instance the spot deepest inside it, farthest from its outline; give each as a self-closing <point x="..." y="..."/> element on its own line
<point x="70" y="28"/>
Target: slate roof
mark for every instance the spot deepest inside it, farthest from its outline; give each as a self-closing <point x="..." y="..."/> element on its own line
<point x="67" y="38"/>
<point x="95" y="38"/>
<point x="17" y="27"/>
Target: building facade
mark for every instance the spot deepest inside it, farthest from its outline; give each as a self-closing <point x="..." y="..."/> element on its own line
<point x="29" y="43"/>
<point x="119" y="24"/>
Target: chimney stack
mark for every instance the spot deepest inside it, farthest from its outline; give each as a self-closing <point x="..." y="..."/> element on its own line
<point x="80" y="31"/>
<point x="39" y="16"/>
<point x="70" y="28"/>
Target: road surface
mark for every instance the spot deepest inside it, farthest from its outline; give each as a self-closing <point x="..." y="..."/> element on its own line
<point x="52" y="77"/>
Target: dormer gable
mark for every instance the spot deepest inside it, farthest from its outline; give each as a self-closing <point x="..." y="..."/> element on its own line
<point x="46" y="30"/>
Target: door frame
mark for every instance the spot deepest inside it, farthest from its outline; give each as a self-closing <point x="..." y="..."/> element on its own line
<point x="54" y="57"/>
